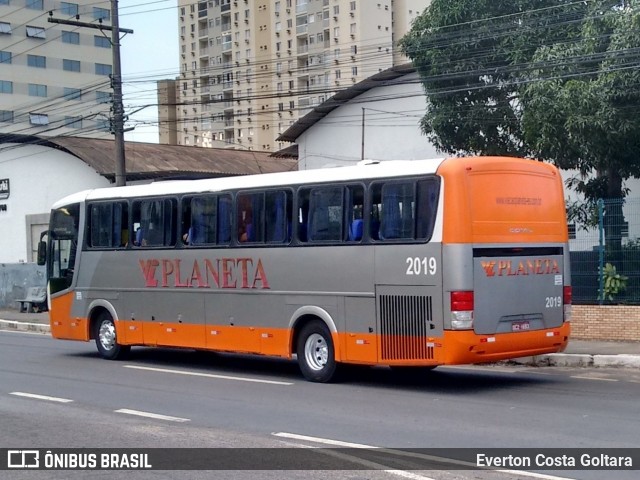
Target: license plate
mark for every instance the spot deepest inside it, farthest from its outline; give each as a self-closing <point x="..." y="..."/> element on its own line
<point x="519" y="326"/>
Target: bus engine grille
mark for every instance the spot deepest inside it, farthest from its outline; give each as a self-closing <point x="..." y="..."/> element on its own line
<point x="405" y="324"/>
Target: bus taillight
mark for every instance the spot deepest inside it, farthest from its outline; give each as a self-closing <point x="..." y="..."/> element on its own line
<point x="462" y="310"/>
<point x="567" y="294"/>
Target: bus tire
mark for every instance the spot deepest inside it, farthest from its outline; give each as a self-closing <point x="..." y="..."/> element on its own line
<point x="316" y="355"/>
<point x="106" y="339"/>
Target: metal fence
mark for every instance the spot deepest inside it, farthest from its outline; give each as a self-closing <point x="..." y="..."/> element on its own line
<point x="605" y="255"/>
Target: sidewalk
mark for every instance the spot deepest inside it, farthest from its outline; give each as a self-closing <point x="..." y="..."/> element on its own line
<point x="579" y="353"/>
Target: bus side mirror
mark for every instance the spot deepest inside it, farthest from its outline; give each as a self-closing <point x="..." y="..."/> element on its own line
<point x="42" y="252"/>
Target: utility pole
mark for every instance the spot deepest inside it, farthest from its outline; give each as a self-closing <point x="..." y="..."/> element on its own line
<point x="116" y="83"/>
<point x="118" y="107"/>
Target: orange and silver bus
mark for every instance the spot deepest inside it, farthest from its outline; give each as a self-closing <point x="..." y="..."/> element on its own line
<point x="401" y="263"/>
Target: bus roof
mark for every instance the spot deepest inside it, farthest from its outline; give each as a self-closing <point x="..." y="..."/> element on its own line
<point x="363" y="170"/>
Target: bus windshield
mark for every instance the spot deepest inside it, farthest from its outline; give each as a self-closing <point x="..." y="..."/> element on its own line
<point x="63" y="242"/>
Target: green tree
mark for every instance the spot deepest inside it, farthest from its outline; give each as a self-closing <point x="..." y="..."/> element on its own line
<point x="472" y="57"/>
<point x="553" y="79"/>
<point x="580" y="107"/>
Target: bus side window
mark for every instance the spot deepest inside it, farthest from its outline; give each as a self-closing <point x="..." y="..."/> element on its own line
<point x="157" y="219"/>
<point x="278" y="217"/>
<point x="120" y="224"/>
<point x="108" y="225"/>
<point x="203" y="220"/>
<point x="224" y="219"/>
<point x="355" y="211"/>
<point x="326" y="214"/>
<point x="398" y="204"/>
<point x="250" y="217"/>
<point x="427" y="202"/>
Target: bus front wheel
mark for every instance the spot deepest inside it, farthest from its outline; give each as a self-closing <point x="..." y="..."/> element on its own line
<point x="315" y="352"/>
<point x="106" y="338"/>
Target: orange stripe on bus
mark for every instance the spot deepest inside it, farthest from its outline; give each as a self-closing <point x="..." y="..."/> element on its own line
<point x="454" y="347"/>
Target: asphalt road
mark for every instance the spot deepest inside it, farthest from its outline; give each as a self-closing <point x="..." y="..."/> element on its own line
<point x="56" y="394"/>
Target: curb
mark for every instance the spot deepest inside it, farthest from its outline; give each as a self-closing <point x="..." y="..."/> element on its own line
<point x="579" y="360"/>
<point x="24" y="326"/>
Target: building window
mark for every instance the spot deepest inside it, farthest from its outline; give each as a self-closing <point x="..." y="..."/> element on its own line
<point x="100" y="41"/>
<point x="103" y="69"/>
<point x="73" y="122"/>
<point x="5" y="27"/>
<point x="4" y="2"/>
<point x="37" y="61"/>
<point x="70" y="65"/>
<point x="35" y="4"/>
<point x="71" y="37"/>
<point x="6" y="116"/>
<point x="38" y="119"/>
<point x="6" y="86"/>
<point x="70" y="9"/>
<point x="101" y="14"/>
<point x="36" y="32"/>
<point x="72" y="93"/>
<point x="103" y="97"/>
<point x="5" y="57"/>
<point x="37" y="90"/>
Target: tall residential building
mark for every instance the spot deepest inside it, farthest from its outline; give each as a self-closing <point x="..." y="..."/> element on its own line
<point x="250" y="68"/>
<point x="54" y="78"/>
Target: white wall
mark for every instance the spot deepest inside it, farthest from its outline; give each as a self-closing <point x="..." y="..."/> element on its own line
<point x="38" y="177"/>
<point x="392" y="132"/>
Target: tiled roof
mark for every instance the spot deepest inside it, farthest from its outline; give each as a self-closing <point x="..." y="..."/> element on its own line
<point x="151" y="160"/>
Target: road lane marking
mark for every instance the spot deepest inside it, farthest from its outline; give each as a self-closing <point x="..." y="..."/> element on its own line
<point x="157" y="416"/>
<point x="23" y="332"/>
<point x="587" y="377"/>
<point x="41" y="397"/>
<point x="207" y="375"/>
<point x="350" y="458"/>
<point x="339" y="443"/>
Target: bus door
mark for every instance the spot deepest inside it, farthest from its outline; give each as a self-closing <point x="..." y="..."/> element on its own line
<point x="517" y="290"/>
<point x="60" y="259"/>
<point x="409" y="302"/>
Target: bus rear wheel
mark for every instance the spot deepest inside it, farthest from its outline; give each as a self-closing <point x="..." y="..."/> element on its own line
<point x="106" y="338"/>
<point x="316" y="355"/>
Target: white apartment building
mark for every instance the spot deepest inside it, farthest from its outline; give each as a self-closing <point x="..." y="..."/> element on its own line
<point x="54" y="78"/>
<point x="251" y="68"/>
